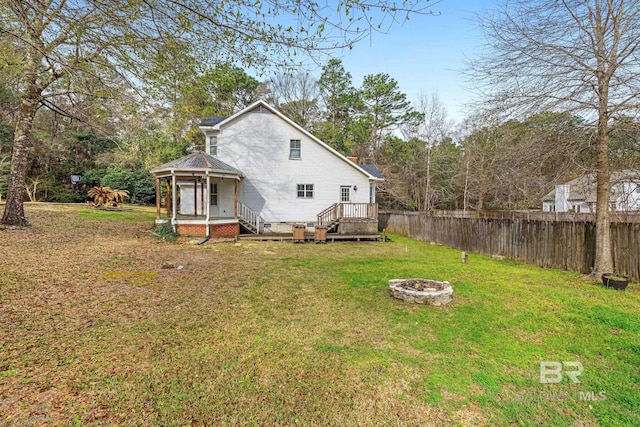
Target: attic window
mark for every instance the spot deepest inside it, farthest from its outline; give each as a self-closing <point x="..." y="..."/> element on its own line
<point x="213" y="145"/>
<point x="295" y="149"/>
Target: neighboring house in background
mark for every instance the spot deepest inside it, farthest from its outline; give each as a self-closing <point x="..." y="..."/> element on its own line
<point x="263" y="171"/>
<point x="579" y="195"/>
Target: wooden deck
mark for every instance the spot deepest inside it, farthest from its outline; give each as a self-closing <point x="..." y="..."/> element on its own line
<point x="310" y="237"/>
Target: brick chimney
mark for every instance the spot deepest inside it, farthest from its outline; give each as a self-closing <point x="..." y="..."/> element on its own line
<point x="353" y="159"/>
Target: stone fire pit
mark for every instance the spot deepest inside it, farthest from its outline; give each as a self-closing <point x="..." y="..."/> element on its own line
<point x="421" y="291"/>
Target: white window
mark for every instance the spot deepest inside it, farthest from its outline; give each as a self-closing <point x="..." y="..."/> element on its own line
<point x="305" y="191"/>
<point x="213" y="145"/>
<point x="295" y="149"/>
<point x="345" y="193"/>
<point x="213" y="194"/>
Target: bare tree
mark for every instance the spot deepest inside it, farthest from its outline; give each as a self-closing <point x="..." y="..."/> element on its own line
<point x="297" y="95"/>
<point x="572" y="55"/>
<point x="434" y="128"/>
<point x="55" y="43"/>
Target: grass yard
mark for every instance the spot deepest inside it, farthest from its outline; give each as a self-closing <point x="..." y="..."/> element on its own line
<point x="93" y="331"/>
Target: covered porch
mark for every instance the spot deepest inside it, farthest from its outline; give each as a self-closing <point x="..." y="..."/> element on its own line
<point x="200" y="196"/>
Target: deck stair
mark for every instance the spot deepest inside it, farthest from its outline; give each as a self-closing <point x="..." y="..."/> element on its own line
<point x="329" y="217"/>
<point x="248" y="218"/>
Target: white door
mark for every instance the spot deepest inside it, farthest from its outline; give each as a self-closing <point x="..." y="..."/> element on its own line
<point x="345" y="193"/>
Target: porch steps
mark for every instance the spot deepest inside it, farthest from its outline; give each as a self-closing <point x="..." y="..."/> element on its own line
<point x="329" y="217"/>
<point x="249" y="219"/>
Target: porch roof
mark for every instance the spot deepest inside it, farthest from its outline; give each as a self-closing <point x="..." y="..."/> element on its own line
<point x="198" y="162"/>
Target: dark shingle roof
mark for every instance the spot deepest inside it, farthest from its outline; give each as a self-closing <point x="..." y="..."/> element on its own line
<point x="372" y="170"/>
<point x="197" y="161"/>
<point x="211" y="121"/>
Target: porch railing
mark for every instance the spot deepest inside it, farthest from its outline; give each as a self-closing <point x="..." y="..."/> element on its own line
<point x="358" y="210"/>
<point x="337" y="211"/>
<point x="250" y="218"/>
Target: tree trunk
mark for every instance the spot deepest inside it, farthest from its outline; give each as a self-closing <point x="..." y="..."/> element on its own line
<point x="428" y="191"/>
<point x="603" y="258"/>
<point x="14" y="209"/>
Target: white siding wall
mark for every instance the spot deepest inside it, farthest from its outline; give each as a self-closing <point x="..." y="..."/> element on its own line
<point x="257" y="144"/>
<point x="579" y="206"/>
<point x="186" y="198"/>
<point x="225" y="208"/>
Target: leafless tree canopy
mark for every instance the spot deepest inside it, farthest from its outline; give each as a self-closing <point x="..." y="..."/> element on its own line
<point x="558" y="54"/>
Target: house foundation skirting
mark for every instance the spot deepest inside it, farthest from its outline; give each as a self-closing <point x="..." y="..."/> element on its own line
<point x="358" y="226"/>
<point x="215" y="230"/>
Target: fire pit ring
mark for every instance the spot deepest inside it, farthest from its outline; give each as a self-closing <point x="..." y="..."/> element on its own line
<point x="421" y="291"/>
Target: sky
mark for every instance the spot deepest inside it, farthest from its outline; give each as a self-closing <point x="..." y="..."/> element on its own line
<point x="426" y="53"/>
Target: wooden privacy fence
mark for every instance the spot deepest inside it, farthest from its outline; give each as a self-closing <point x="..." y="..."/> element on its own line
<point x="569" y="245"/>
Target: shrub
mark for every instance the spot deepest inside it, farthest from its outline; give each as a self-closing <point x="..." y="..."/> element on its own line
<point x="105" y="196"/>
<point x="138" y="183"/>
<point x="165" y="232"/>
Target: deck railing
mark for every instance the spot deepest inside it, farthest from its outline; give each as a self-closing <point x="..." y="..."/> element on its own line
<point x="359" y="210"/>
<point x="329" y="215"/>
<point x="337" y="211"/>
<point x="249" y="217"/>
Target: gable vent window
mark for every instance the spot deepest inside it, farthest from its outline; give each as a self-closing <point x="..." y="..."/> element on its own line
<point x="213" y="145"/>
<point x="295" y="149"/>
<point x="305" y="191"/>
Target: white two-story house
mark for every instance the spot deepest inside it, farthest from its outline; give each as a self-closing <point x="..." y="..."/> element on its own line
<point x="264" y="172"/>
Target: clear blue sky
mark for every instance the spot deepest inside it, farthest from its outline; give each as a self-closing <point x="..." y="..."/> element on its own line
<point x="426" y="53"/>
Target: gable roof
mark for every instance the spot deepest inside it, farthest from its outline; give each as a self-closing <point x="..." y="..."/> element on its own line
<point x="372" y="170"/>
<point x="262" y="104"/>
<point x="211" y="121"/>
<point x="198" y="161"/>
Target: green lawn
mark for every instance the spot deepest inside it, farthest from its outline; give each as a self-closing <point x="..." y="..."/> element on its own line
<point x="93" y="331"/>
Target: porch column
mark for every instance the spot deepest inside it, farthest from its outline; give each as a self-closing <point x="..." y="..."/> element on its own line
<point x="195" y="197"/>
<point x="157" y="198"/>
<point x="202" y="208"/>
<point x="208" y="199"/>
<point x="235" y="198"/>
<point x="167" y="196"/>
<point x="174" y="201"/>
